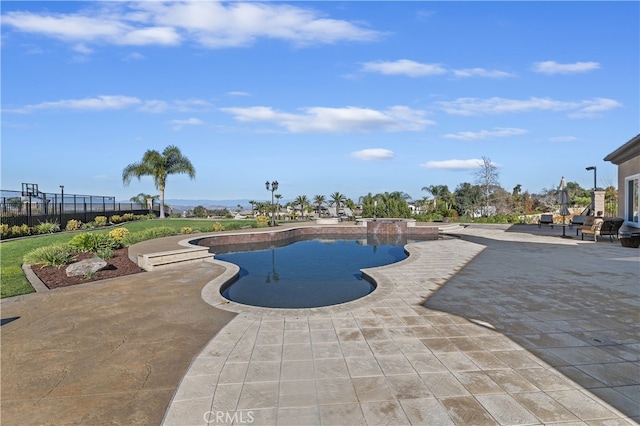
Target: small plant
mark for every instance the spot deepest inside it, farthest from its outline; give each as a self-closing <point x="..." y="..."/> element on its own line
<point x="118" y="234"/>
<point x="217" y="227"/>
<point x="56" y="255"/>
<point x="116" y="218"/>
<point x="73" y="225"/>
<point x="186" y="230"/>
<point x="47" y="227"/>
<point x="128" y="217"/>
<point x="92" y="242"/>
<point x="19" y="230"/>
<point x="4" y="231"/>
<point x="262" y="221"/>
<point x="101" y="221"/>
<point x="148" y="234"/>
<point x="104" y="253"/>
<point x="89" y="225"/>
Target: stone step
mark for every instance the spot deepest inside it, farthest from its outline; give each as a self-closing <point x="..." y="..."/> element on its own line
<point x="169" y="258"/>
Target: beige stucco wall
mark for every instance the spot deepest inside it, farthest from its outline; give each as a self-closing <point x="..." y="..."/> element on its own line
<point x="626" y="169"/>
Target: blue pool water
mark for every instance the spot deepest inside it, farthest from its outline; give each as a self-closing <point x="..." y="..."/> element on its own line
<point x="304" y="274"/>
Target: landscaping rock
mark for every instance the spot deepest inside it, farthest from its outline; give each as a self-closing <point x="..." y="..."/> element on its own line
<point x="85" y="267"/>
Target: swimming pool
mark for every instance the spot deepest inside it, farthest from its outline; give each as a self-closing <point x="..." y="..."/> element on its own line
<point x="296" y="273"/>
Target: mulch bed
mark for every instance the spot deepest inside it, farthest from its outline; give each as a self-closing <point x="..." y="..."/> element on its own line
<point x="119" y="265"/>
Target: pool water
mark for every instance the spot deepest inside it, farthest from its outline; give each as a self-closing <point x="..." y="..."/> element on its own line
<point x="304" y="274"/>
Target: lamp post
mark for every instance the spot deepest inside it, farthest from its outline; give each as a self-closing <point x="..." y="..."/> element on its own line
<point x="273" y="187"/>
<point x="593" y="196"/>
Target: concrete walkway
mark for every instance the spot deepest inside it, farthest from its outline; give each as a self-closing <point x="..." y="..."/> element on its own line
<point x="529" y="329"/>
<point x="507" y="325"/>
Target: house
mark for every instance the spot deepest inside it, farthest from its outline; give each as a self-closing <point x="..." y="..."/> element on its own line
<point x="627" y="158"/>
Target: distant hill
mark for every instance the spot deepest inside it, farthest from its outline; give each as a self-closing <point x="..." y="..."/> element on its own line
<point x="181" y="205"/>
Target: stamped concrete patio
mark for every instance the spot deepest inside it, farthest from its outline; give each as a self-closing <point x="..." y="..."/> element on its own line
<point x="501" y="325"/>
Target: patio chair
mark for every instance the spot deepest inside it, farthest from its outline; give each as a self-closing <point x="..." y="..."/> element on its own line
<point x="545" y="219"/>
<point x="594" y="229"/>
<point x="611" y="226"/>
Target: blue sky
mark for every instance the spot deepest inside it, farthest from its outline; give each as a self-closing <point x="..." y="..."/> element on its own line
<point x="354" y="97"/>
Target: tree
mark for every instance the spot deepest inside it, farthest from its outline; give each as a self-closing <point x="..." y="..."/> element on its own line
<point x="487" y="178"/>
<point x="439" y="192"/>
<point x="319" y="200"/>
<point x="143" y="200"/>
<point x="302" y="201"/>
<point x="338" y="199"/>
<point x="467" y="197"/>
<point x="159" y="166"/>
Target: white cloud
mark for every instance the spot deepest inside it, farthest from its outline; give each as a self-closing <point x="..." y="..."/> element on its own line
<point x="134" y="56"/>
<point x="563" y="139"/>
<point x="82" y="49"/>
<point x="373" y="154"/>
<point x="211" y="24"/>
<point x="576" y="109"/>
<point x="470" y="164"/>
<point x="481" y="72"/>
<point x="594" y="108"/>
<point x="179" y="124"/>
<point x="404" y="67"/>
<point x="237" y="93"/>
<point x="337" y="120"/>
<point x="115" y="102"/>
<point x="94" y="104"/>
<point x="552" y="67"/>
<point x="497" y="132"/>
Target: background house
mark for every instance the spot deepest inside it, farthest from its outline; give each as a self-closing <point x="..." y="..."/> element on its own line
<point x="627" y="158"/>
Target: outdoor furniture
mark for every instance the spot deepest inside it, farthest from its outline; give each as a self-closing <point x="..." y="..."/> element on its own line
<point x="576" y="220"/>
<point x="586" y="224"/>
<point x="594" y="229"/>
<point x="629" y="239"/>
<point x="611" y="226"/>
<point x="545" y="219"/>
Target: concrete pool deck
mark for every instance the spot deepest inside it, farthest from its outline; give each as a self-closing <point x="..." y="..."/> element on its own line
<point x="530" y="328"/>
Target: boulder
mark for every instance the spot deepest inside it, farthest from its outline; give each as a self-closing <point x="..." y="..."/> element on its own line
<point x="85" y="267"/>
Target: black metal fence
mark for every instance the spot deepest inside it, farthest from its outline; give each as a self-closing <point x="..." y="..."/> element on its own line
<point x="30" y="210"/>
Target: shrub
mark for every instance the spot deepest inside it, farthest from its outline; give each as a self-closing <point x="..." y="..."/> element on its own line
<point x="104" y="253"/>
<point x="92" y="242"/>
<point x="19" y="230"/>
<point x="47" y="227"/>
<point x="186" y="230"/>
<point x="128" y="217"/>
<point x="118" y="234"/>
<point x="217" y="227"/>
<point x="73" y="225"/>
<point x="262" y="221"/>
<point x="4" y="231"/>
<point x="101" y="221"/>
<point x="148" y="234"/>
<point x="56" y="255"/>
<point x="89" y="225"/>
<point x="116" y="218"/>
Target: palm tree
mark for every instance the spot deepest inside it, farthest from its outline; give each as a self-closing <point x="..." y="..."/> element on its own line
<point x="302" y="201"/>
<point x="159" y="166"/>
<point x="319" y="200"/>
<point x="143" y="200"/>
<point x="278" y="198"/>
<point x="337" y="198"/>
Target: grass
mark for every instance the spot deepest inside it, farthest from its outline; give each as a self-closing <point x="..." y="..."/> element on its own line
<point x="13" y="281"/>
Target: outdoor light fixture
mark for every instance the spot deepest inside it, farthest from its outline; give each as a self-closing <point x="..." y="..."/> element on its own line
<point x="274" y="187"/>
<point x="595" y="186"/>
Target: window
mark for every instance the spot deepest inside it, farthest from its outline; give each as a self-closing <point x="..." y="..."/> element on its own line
<point x="632" y="200"/>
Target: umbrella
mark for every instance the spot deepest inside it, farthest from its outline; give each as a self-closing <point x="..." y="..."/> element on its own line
<point x="564" y="202"/>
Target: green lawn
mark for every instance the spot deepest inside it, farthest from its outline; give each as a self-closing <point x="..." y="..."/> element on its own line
<point x="14" y="283"/>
